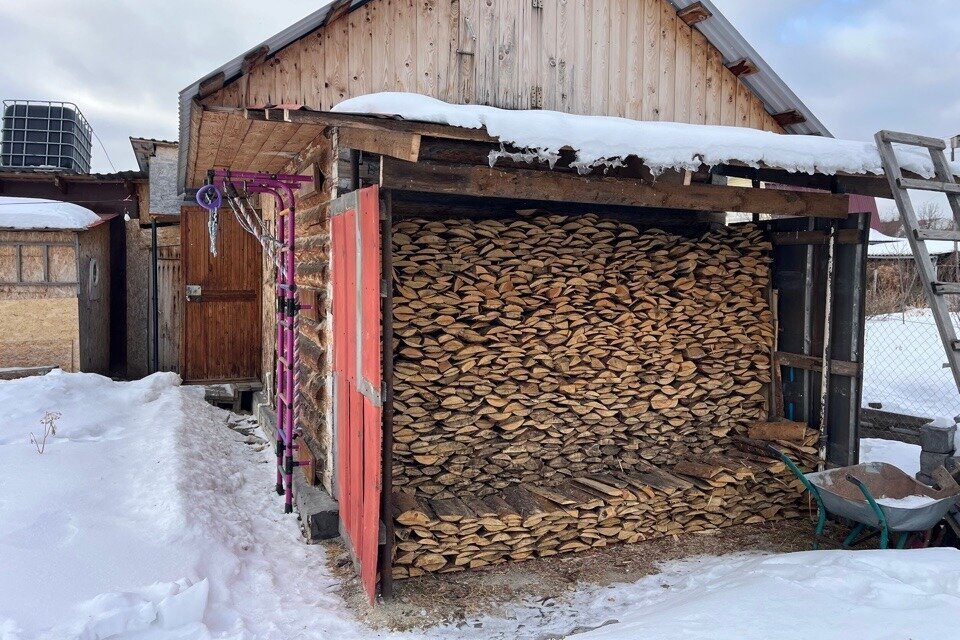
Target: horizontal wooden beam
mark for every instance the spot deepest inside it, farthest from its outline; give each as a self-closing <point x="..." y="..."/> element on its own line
<point x="693" y="14"/>
<point x="396" y="144"/>
<point x="210" y="85"/>
<point x="844" y="236"/>
<point x="526" y="184"/>
<point x="332" y="119"/>
<point x="813" y="363"/>
<point x="787" y="118"/>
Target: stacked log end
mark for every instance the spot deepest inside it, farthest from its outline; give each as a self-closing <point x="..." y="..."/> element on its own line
<point x="552" y="372"/>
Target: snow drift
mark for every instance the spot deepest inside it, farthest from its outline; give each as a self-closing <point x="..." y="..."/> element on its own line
<point x="606" y="141"/>
<point x="38" y="213"/>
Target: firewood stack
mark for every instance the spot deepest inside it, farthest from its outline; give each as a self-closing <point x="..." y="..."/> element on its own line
<point x="550" y="352"/>
<point x="534" y="521"/>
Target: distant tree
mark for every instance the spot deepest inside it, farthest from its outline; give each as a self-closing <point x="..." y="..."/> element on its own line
<point x="930" y="216"/>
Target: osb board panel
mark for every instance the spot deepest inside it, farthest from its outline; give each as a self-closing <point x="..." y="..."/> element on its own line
<point x="8" y="263"/>
<point x="602" y="57"/>
<point x="32" y="263"/>
<point x="39" y="332"/>
<point x="37" y="236"/>
<point x="62" y="264"/>
<point x="94" y="299"/>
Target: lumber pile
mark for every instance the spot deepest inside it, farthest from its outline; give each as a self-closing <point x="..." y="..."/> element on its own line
<point x="542" y="349"/>
<point x="586" y="512"/>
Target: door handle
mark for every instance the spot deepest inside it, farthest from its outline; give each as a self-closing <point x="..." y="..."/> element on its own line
<point x="194" y="291"/>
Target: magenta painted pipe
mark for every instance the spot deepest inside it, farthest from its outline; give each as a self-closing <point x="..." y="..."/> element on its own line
<point x="282" y="188"/>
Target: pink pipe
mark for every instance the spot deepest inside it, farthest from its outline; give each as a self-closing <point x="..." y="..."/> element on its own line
<point x="282" y="188"/>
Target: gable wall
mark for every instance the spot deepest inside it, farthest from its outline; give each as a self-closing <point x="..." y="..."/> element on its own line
<point x="630" y="58"/>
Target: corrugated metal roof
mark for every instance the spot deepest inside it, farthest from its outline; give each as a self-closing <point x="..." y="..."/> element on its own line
<point x="765" y="83"/>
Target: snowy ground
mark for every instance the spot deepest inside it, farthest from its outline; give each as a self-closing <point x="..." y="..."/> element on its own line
<point x="904" y="366"/>
<point x="146" y="517"/>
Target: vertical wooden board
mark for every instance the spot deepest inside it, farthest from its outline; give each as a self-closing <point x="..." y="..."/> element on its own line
<point x="566" y="56"/>
<point x="684" y="81"/>
<point x="728" y="99"/>
<point x="287" y="77"/>
<point x="582" y="26"/>
<point x="427" y="47"/>
<point x="599" y="55"/>
<point x="485" y="56"/>
<point x="369" y="305"/>
<point x="507" y="61"/>
<point x="336" y="45"/>
<point x="756" y="112"/>
<point x="405" y="45"/>
<point x="530" y="53"/>
<point x="651" y="59"/>
<point x="468" y="27"/>
<point x="260" y="86"/>
<point x="618" y="70"/>
<point x="744" y="104"/>
<point x="698" y="75"/>
<point x="714" y="81"/>
<point x="769" y="124"/>
<point x="668" y="60"/>
<point x="550" y="57"/>
<point x="634" y="60"/>
<point x="360" y="65"/>
<point x="311" y="66"/>
<point x="381" y="16"/>
<point x="448" y="18"/>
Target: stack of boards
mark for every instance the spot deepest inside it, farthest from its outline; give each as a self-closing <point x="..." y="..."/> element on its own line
<point x="535" y="521"/>
<point x="580" y="374"/>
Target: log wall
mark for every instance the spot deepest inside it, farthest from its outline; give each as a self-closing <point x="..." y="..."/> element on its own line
<point x="562" y="382"/>
<point x="629" y="58"/>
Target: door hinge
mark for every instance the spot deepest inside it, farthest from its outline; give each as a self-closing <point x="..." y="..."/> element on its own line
<point x="536" y="97"/>
<point x="537" y="4"/>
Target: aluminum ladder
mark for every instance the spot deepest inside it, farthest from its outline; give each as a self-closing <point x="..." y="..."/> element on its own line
<point x="945" y="183"/>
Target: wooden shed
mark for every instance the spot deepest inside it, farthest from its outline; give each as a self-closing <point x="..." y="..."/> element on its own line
<point x="55" y="283"/>
<point x="512" y="354"/>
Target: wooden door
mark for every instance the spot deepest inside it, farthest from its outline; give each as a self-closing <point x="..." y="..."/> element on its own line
<point x="221" y="339"/>
<point x="355" y="275"/>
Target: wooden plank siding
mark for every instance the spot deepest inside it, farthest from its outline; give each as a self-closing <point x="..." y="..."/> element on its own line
<point x="631" y="58"/>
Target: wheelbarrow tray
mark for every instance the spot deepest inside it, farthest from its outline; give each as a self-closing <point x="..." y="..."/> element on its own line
<point x="843" y="498"/>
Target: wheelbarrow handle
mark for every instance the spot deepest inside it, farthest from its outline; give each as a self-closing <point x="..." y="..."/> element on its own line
<point x="877" y="511"/>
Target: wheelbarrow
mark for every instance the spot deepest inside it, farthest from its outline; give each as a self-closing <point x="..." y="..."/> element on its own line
<point x="878" y="497"/>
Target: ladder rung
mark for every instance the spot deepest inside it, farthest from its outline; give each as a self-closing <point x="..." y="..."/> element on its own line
<point x="946" y="288"/>
<point x="913" y="139"/>
<point x="928" y="185"/>
<point x="936" y="234"/>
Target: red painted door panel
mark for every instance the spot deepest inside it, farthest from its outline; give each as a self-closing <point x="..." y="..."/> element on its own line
<point x="355" y="274"/>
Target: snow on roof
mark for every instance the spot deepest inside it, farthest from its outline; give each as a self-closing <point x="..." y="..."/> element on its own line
<point x="605" y="141"/>
<point x="37" y="213"/>
<point x="884" y="246"/>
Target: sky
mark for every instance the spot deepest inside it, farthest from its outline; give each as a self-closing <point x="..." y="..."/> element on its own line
<point x="860" y="65"/>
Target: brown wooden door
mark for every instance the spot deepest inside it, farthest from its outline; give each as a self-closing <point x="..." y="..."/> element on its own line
<point x="222" y="324"/>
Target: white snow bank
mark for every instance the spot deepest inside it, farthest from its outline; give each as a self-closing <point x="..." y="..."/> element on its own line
<point x="827" y="595"/>
<point x="146" y="517"/>
<point x="902" y="455"/>
<point x="38" y="213"/>
<point x="602" y="140"/>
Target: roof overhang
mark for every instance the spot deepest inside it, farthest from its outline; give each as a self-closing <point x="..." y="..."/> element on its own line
<point x="271" y="138"/>
<point x="777" y="97"/>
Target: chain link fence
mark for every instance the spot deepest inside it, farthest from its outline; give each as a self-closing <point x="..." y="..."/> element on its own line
<point x="905" y="370"/>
